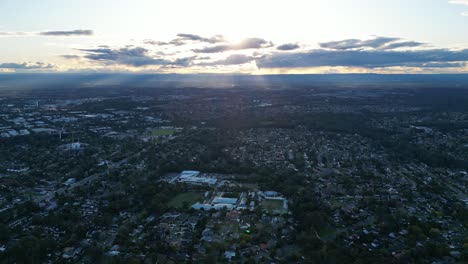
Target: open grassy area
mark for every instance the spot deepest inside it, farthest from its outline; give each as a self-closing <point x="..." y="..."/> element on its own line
<point x="162" y="131"/>
<point x="274" y="206"/>
<point x="189" y="197"/>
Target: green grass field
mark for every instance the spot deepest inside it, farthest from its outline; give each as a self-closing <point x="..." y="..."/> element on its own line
<point x="189" y="197"/>
<point x="274" y="206"/>
<point x="162" y="131"/>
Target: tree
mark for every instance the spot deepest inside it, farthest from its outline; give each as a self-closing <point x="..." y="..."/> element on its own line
<point x="94" y="253"/>
<point x="4" y="233"/>
<point x="415" y="234"/>
<point x="434" y="232"/>
<point x="30" y="250"/>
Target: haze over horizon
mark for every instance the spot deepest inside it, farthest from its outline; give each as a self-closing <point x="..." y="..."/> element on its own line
<point x="261" y="37"/>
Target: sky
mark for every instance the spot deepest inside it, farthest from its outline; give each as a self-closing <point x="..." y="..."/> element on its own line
<point x="242" y="36"/>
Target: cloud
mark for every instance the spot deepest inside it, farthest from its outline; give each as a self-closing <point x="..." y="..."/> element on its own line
<point x="363" y="58"/>
<point x="214" y="49"/>
<point x="8" y="34"/>
<point x="249" y="43"/>
<point x="357" y="43"/>
<point x="288" y="46"/>
<point x="26" y="66"/>
<point x="130" y="56"/>
<point x="192" y="37"/>
<point x="442" y="65"/>
<point x="71" y="57"/>
<point x="183" y="62"/>
<point x="404" y="44"/>
<point x="234" y="59"/>
<point x="78" y="32"/>
<point x="183" y="39"/>
<point x="155" y="42"/>
<point x="375" y="43"/>
<point x="377" y="53"/>
<point x="459" y="2"/>
<point x="174" y="42"/>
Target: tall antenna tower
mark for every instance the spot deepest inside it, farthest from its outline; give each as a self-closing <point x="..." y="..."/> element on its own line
<point x="61" y="132"/>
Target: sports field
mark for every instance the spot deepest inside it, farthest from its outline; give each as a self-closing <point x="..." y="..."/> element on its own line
<point x="188" y="197"/>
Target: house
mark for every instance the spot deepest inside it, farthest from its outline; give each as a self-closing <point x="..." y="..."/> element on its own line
<point x="233" y="215"/>
<point x="70" y="181"/>
<point x="229" y="255"/>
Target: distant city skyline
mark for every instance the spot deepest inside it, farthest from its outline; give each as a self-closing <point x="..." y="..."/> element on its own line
<point x="251" y="37"/>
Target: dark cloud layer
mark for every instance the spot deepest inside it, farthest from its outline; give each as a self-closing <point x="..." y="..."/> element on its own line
<point x="404" y="44"/>
<point x="380" y="52"/>
<point x="376" y="43"/>
<point x="288" y="46"/>
<point x="249" y="43"/>
<point x="71" y="57"/>
<point x="234" y="59"/>
<point x="26" y="66"/>
<point x="214" y="49"/>
<point x="131" y="56"/>
<point x="192" y="37"/>
<point x="441" y="65"/>
<point x="78" y="32"/>
<point x="364" y="58"/>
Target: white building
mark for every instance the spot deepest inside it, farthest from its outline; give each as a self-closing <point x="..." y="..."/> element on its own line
<point x="193" y="177"/>
<point x="224" y="200"/>
<point x="199" y="181"/>
<point x="189" y="174"/>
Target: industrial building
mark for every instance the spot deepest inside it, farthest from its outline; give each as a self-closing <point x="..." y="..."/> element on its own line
<point x="193" y="177"/>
